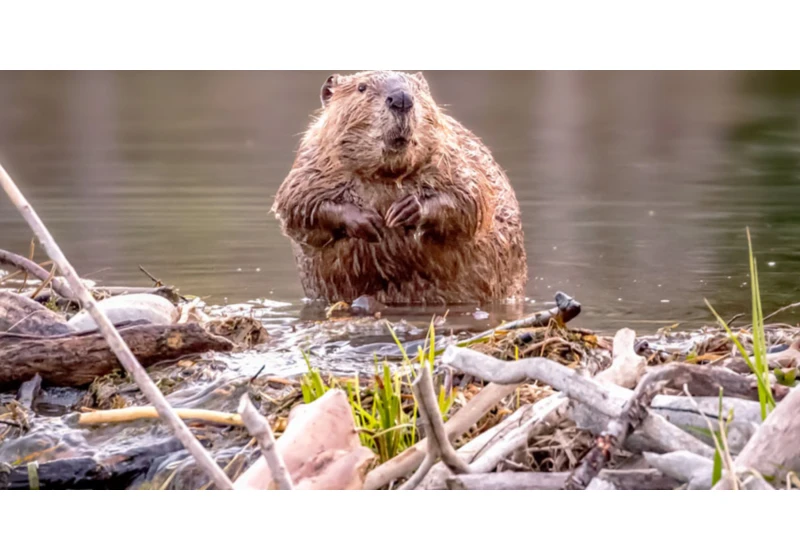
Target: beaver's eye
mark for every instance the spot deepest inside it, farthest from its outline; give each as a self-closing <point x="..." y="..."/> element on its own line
<point x="362" y="87"/>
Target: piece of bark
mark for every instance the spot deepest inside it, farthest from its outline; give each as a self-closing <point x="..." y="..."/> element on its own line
<point x="627" y="366"/>
<point x="410" y="459"/>
<point x="774" y="450"/>
<point x="314" y="434"/>
<point x="77" y="360"/>
<point x="22" y="315"/>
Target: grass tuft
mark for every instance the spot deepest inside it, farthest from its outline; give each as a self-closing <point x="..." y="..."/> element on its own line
<point x="759" y="364"/>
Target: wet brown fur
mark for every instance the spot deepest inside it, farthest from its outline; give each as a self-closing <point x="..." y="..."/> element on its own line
<point x="465" y="244"/>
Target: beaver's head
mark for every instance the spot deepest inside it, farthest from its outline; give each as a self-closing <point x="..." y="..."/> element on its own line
<point x="378" y="122"/>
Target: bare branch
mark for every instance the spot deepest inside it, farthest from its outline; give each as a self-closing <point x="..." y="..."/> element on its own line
<point x="259" y="428"/>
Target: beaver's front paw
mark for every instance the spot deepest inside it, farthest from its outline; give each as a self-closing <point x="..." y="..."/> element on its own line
<point x="362" y="224"/>
<point x="405" y="212"/>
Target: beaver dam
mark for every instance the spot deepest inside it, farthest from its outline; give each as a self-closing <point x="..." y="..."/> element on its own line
<point x="358" y="397"/>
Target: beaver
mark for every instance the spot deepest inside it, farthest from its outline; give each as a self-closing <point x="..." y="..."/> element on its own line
<point x="391" y="198"/>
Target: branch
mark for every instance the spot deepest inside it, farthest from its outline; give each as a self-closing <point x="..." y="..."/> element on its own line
<point x="17" y="261"/>
<point x="113" y="337"/>
<point x="405" y="463"/>
<point x="259" y="429"/>
<point x="613" y="437"/>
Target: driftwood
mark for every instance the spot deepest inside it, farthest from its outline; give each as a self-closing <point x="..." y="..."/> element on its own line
<point x="682" y="412"/>
<point x="627" y="366"/>
<point x="78" y="359"/>
<point x="530" y="419"/>
<point x="115" y="341"/>
<point x="405" y="463"/>
<point x="439" y="444"/>
<point x="613" y="437"/>
<point x="634" y="479"/>
<point x="696" y="471"/>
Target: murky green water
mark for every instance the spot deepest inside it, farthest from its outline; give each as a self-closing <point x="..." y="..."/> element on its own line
<point x="635" y="187"/>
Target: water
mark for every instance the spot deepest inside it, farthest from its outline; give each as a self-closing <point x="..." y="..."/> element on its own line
<point x="635" y="188"/>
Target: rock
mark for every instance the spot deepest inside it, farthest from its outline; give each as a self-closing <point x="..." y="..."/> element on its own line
<point x="129" y="307"/>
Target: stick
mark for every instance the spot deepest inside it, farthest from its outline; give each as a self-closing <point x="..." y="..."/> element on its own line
<point x="411" y="458"/>
<point x="599" y="396"/>
<point x="17" y="261"/>
<point x="566" y="309"/>
<point x="134" y="413"/>
<point x="113" y="337"/>
<point x="613" y="437"/>
<point x="429" y="410"/>
<point x="438" y="443"/>
<point x="259" y="428"/>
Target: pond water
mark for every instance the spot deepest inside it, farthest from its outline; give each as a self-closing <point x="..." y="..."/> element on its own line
<point x="636" y="187"/>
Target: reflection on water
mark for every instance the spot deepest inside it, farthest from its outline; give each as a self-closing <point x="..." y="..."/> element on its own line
<point x="635" y="187"/>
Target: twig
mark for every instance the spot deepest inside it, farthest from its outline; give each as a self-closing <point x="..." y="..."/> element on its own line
<point x="155" y="280"/>
<point x="27" y="265"/>
<point x="44" y="284"/>
<point x="259" y="428"/>
<point x="115" y="341"/>
<point x="134" y="413"/>
<point x="782" y="309"/>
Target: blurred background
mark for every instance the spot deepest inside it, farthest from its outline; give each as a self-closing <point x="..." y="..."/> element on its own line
<point x="635" y="187"/>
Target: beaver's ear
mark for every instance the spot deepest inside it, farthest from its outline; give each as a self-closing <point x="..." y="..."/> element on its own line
<point x="327" y="88"/>
<point x="423" y="82"/>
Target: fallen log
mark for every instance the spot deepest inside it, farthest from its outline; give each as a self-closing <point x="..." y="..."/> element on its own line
<point x="77" y="360"/>
<point x="22" y="315"/>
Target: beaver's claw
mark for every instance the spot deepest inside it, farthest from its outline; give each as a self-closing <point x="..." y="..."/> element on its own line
<point x="405" y="212"/>
<point x="363" y="224"/>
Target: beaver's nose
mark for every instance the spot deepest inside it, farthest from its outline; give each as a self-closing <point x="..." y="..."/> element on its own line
<point x="400" y="101"/>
